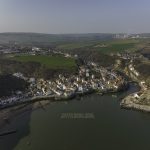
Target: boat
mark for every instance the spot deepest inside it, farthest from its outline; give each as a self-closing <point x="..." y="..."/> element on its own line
<point x="65" y="96"/>
<point x="114" y="95"/>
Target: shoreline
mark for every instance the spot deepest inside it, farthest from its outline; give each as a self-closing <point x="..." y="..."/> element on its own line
<point x="9" y="113"/>
<point x="56" y="98"/>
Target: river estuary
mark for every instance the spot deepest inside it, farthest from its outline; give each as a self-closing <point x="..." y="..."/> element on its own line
<point x="107" y="127"/>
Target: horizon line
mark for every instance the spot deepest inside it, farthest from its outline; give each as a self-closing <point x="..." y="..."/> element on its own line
<point x="73" y="33"/>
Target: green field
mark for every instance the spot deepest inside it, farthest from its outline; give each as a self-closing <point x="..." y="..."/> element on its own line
<point x="74" y="45"/>
<point x="48" y="61"/>
<point x="117" y="46"/>
<point x="111" y="46"/>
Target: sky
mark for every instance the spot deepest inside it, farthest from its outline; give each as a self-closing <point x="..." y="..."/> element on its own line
<point x="75" y="16"/>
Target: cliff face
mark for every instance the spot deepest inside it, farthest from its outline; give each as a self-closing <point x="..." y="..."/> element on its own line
<point x="138" y="101"/>
<point x="139" y="72"/>
<point x="10" y="84"/>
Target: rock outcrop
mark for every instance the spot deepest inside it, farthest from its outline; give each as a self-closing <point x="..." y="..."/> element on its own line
<point x="137" y="101"/>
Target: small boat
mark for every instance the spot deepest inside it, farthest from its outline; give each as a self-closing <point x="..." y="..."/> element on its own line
<point x="65" y="97"/>
<point x="114" y="95"/>
<point x="100" y="93"/>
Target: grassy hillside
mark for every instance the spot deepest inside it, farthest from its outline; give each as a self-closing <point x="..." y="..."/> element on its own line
<point x="47" y="67"/>
<point x="75" y="45"/>
<point x="104" y="46"/>
<point x="50" y="39"/>
<point x="48" y="61"/>
<point x="104" y="43"/>
<point x="143" y="68"/>
<point x="117" y="45"/>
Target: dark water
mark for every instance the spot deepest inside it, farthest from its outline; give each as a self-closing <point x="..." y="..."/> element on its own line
<point x="111" y="128"/>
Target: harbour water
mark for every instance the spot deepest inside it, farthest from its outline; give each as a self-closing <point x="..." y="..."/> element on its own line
<point x="93" y="122"/>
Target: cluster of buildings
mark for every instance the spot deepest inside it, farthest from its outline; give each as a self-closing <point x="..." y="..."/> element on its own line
<point x="11" y="100"/>
<point x="128" y="56"/>
<point x="125" y="36"/>
<point x="85" y="81"/>
<point x="31" y="51"/>
<point x="133" y="70"/>
<point x="90" y="78"/>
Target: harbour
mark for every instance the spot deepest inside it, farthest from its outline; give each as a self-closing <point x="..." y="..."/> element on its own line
<point x="109" y="124"/>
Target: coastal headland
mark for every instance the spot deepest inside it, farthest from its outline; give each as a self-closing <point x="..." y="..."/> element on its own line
<point x="66" y="70"/>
